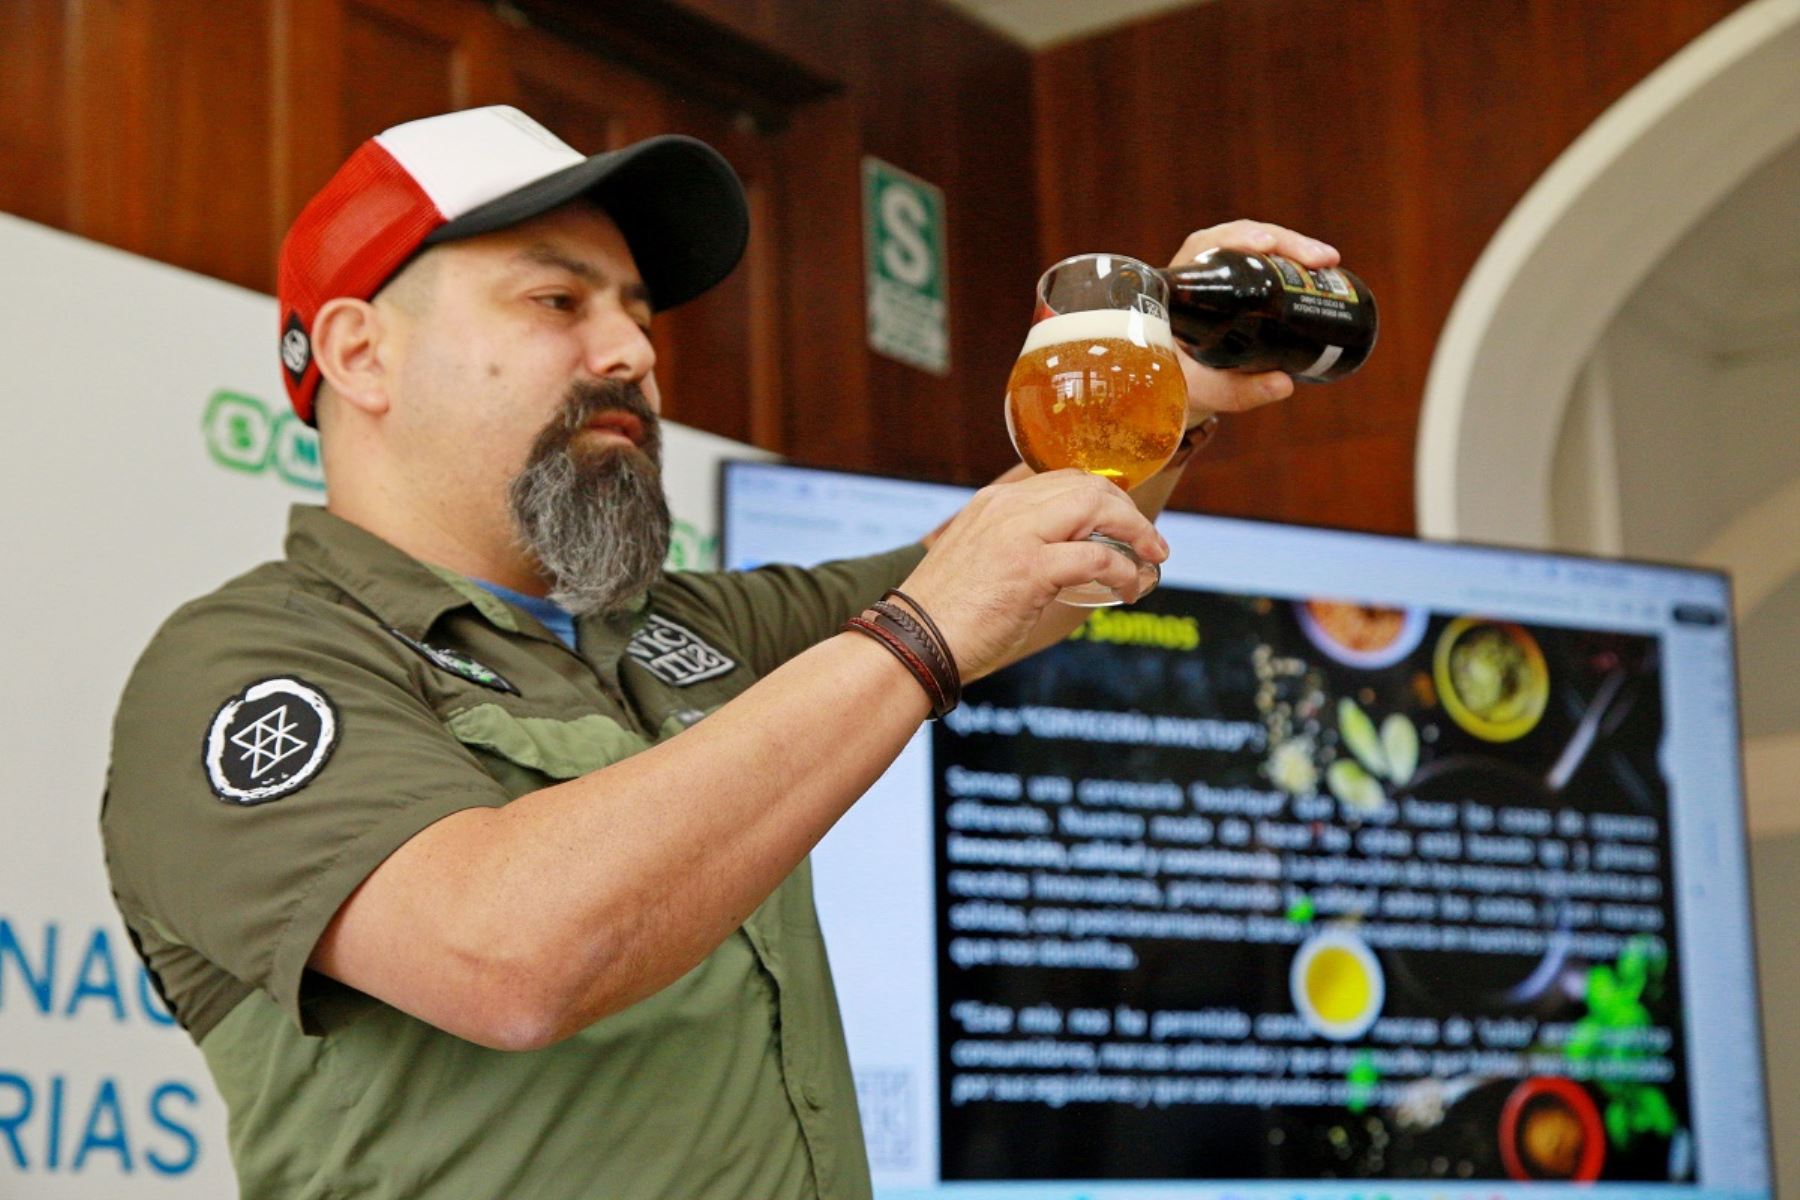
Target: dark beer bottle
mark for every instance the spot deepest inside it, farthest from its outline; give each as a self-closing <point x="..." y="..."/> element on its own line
<point x="1262" y="312"/>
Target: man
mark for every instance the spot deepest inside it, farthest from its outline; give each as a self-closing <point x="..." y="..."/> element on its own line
<point x="468" y="845"/>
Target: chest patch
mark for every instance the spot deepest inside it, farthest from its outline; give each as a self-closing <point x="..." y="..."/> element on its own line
<point x="675" y="654"/>
<point x="269" y="741"/>
<point x="458" y="664"/>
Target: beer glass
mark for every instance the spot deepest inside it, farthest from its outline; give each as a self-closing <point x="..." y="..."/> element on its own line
<point x="1098" y="385"/>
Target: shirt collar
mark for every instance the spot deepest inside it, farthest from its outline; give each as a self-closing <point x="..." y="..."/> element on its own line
<point x="410" y="595"/>
<point x="400" y="590"/>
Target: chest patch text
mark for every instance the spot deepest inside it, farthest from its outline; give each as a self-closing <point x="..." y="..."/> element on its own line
<point x="676" y="655"/>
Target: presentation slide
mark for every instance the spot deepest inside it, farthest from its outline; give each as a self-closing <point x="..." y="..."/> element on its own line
<point x="1337" y="859"/>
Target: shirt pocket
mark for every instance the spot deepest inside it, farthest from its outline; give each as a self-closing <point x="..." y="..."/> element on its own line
<point x="546" y="747"/>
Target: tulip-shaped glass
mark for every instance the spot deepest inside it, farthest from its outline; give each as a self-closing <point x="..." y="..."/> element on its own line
<point x="1098" y="385"/>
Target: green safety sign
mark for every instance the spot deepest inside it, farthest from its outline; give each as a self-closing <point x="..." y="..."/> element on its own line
<point x="904" y="267"/>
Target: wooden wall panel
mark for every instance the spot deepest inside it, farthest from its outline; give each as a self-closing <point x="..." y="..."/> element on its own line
<point x="1403" y="131"/>
<point x="946" y="107"/>
<point x="344" y="70"/>
<point x="826" y="35"/>
<point x="121" y="114"/>
<point x="165" y="123"/>
<point x="306" y="83"/>
<point x="830" y="415"/>
<point x="416" y="67"/>
<point x="125" y="108"/>
<point x="558" y="85"/>
<point x="948" y="100"/>
<point x="33" y="181"/>
<point x="727" y="351"/>
<point x="718" y="358"/>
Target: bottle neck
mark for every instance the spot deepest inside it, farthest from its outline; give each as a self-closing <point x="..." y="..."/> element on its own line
<point x="1218" y="288"/>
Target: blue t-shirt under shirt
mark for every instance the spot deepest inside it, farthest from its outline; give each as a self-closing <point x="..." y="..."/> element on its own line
<point x="555" y="617"/>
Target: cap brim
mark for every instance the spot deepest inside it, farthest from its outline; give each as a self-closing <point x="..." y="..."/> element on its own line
<point x="676" y="200"/>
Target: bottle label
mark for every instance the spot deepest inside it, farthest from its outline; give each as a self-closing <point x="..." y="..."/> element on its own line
<point x="1323" y="363"/>
<point x="1324" y="281"/>
<point x="1325" y="293"/>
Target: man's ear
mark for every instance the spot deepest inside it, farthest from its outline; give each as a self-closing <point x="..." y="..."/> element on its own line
<point x="348" y="346"/>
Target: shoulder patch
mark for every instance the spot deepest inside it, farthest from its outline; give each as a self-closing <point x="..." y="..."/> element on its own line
<point x="458" y="664"/>
<point x="269" y="741"/>
<point x="675" y="654"/>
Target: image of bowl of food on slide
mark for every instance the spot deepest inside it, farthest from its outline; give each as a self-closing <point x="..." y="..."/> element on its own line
<point x="1359" y="634"/>
<point x="1491" y="677"/>
<point x="1550" y="1129"/>
<point x="1509" y="981"/>
<point x="1337" y="984"/>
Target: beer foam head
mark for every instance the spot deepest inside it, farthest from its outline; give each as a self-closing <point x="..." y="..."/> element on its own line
<point x="1118" y="324"/>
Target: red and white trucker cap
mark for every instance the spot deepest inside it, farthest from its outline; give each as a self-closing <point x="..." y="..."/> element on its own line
<point x="676" y="200"/>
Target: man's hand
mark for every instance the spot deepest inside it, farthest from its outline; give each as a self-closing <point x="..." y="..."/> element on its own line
<point x="993" y="569"/>
<point x="988" y="647"/>
<point x="1211" y="391"/>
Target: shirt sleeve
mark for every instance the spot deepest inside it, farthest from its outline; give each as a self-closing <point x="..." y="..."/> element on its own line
<point x="775" y="612"/>
<point x="271" y="749"/>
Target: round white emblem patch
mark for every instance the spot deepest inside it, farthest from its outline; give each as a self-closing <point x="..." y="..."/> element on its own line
<point x="270" y="740"/>
<point x="296" y="352"/>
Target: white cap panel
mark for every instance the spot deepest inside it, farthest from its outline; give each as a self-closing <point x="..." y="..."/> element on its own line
<point x="463" y="160"/>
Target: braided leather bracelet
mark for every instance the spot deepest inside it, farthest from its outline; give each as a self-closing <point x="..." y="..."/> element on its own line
<point x="920" y="648"/>
<point x="936" y="659"/>
<point x="951" y="679"/>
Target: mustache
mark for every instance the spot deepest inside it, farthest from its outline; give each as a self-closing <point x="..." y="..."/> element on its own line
<point x="590" y="398"/>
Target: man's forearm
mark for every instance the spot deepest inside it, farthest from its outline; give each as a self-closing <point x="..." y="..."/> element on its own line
<point x="516" y="926"/>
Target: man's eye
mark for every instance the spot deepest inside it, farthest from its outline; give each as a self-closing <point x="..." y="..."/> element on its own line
<point x="561" y="301"/>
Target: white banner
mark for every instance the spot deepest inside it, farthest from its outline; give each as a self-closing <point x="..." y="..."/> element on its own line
<point x="150" y="455"/>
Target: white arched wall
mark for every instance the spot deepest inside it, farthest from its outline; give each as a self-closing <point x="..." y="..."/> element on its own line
<point x="1519" y="345"/>
<point x="1521" y="337"/>
<point x="1578" y="244"/>
<point x="1760" y="546"/>
<point x="1761" y="549"/>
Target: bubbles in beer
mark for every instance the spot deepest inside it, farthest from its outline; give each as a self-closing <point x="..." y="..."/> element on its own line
<point x="1101" y="391"/>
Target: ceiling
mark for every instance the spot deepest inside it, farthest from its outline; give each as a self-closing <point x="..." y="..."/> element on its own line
<point x="1036" y="24"/>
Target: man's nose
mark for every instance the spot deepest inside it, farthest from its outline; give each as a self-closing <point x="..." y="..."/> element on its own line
<point x="618" y="348"/>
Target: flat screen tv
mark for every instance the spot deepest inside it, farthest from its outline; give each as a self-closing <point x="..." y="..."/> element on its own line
<point x="1341" y="865"/>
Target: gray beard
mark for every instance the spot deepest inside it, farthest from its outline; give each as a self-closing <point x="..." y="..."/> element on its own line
<point x="596" y="520"/>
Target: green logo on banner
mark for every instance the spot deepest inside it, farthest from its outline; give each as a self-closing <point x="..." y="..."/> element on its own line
<point x="241" y="433"/>
<point x="905" y="273"/>
<point x="690" y="549"/>
<point x="296" y="452"/>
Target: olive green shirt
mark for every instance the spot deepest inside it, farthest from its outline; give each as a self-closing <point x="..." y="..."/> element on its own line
<point x="283" y="735"/>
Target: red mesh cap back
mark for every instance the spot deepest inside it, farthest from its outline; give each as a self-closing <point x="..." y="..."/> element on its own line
<point x="347" y="241"/>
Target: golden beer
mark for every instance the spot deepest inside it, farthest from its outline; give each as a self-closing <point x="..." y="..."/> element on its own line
<point x="1099" y="390"/>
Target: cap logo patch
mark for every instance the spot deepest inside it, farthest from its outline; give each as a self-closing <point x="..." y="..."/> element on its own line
<point x="296" y="348"/>
<point x="269" y="741"/>
<point x="676" y="655"/>
<point x="458" y="664"/>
